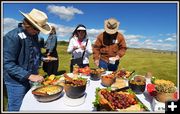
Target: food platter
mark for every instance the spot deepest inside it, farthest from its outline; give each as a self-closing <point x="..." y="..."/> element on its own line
<point x="122" y="99"/>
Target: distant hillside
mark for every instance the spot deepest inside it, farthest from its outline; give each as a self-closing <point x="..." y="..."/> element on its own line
<point x="65" y="43"/>
<point x="153" y="50"/>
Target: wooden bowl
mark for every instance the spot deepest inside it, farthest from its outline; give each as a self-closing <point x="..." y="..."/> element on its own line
<point x="163" y="97"/>
<point x="107" y="80"/>
<point x="45" y="97"/>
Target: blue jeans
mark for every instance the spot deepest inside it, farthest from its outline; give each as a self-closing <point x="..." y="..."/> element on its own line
<point x="15" y="96"/>
<point x="108" y="66"/>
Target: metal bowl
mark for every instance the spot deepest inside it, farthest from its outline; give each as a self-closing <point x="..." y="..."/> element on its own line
<point x="45" y="97"/>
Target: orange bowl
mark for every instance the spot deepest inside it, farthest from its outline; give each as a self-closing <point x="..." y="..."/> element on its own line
<point x="163" y="97"/>
<point x="107" y="80"/>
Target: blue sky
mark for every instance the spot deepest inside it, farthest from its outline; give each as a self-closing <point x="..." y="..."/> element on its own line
<point x="144" y="25"/>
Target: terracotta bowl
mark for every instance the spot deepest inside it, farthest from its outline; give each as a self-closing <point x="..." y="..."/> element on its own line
<point x="46" y="97"/>
<point x="107" y="81"/>
<point x="163" y="97"/>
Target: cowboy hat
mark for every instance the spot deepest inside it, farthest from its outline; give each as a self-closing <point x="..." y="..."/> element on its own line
<point x="39" y="20"/>
<point x="111" y="25"/>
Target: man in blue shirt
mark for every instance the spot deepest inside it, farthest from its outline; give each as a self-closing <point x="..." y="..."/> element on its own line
<point x="22" y="55"/>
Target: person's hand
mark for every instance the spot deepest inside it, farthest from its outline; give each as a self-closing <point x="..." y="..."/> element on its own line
<point x="48" y="59"/>
<point x="82" y="47"/>
<point x="75" y="47"/>
<point x="96" y="62"/>
<point x="117" y="57"/>
<point x="36" y="78"/>
<point x="48" y="54"/>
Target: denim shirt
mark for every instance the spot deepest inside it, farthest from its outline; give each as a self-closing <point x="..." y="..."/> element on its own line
<point x="51" y="43"/>
<point x="21" y="55"/>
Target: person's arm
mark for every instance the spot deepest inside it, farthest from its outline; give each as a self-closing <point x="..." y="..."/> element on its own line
<point x="89" y="47"/>
<point x="71" y="46"/>
<point x="122" y="46"/>
<point x="11" y="50"/>
<point x="52" y="43"/>
<point x="96" y="48"/>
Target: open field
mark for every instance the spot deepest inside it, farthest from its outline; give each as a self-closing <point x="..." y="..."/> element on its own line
<point x="161" y="65"/>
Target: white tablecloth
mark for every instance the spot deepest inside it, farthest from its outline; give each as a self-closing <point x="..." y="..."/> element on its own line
<point x="30" y="104"/>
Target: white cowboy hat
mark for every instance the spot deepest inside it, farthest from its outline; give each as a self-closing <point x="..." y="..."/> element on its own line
<point x="111" y="26"/>
<point x="39" y="20"/>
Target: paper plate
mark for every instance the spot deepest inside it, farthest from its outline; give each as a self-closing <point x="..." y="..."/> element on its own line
<point x="51" y="59"/>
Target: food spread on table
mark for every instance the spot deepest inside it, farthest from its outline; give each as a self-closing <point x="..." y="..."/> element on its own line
<point x="110" y="97"/>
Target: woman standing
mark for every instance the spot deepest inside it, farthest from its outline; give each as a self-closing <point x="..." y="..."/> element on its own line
<point x="79" y="44"/>
<point x="51" y="67"/>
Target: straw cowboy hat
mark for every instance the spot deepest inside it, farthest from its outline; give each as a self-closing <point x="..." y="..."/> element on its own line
<point x="39" y="20"/>
<point x="111" y="25"/>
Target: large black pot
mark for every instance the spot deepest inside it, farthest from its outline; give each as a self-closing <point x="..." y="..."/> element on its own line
<point x="138" y="89"/>
<point x="138" y="84"/>
<point x="96" y="74"/>
<point x="73" y="91"/>
<point x="95" y="77"/>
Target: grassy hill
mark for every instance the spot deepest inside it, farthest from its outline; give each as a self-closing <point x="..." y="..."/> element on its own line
<point x="160" y="64"/>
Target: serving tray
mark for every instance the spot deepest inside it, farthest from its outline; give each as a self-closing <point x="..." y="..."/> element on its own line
<point x="102" y="107"/>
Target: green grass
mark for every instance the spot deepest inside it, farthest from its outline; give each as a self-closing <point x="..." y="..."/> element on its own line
<point x="161" y="65"/>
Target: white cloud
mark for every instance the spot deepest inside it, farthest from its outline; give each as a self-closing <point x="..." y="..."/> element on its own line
<point x="65" y="13"/>
<point x="133" y="41"/>
<point x="170" y="39"/>
<point x="63" y="32"/>
<point x="164" y="46"/>
<point x="160" y="40"/>
<point x="9" y="24"/>
<point x="131" y="36"/>
<point x="93" y="33"/>
<point x="148" y="41"/>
